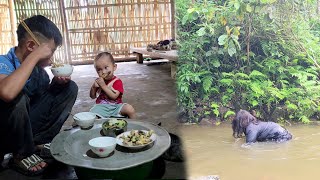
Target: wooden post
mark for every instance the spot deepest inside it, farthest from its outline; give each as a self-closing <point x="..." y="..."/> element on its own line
<point x="173" y="69"/>
<point x="13" y="23"/>
<point x="173" y="19"/>
<point x="65" y="32"/>
<point x="139" y="57"/>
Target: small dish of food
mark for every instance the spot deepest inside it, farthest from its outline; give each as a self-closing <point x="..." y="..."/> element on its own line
<point x="114" y="126"/>
<point x="136" y="139"/>
<point x="61" y="70"/>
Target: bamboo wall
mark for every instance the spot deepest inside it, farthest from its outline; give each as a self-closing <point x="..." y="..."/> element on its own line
<point x="6" y="33"/>
<point x="90" y="26"/>
<point x="48" y="8"/>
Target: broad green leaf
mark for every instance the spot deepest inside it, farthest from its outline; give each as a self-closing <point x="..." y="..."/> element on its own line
<point x="225" y="98"/>
<point x="191" y="10"/>
<point x="208" y="53"/>
<point x="255" y="87"/>
<point x="249" y="8"/>
<point x="254" y="103"/>
<point x="304" y="119"/>
<point x="222" y="39"/>
<point x="234" y="37"/>
<point x="275" y="92"/>
<point x="224" y="74"/>
<point x="230" y="90"/>
<point x="206" y="83"/>
<point x="237" y="4"/>
<point x="204" y="10"/>
<point x="241" y="75"/>
<point x="243" y="82"/>
<point x="229" y="113"/>
<point x="214" y="105"/>
<point x="256" y="74"/>
<point x="185" y="19"/>
<point x="236" y="31"/>
<point x="216" y="63"/>
<point x="268" y="1"/>
<point x="292" y="106"/>
<point x="309" y="83"/>
<point x="201" y="31"/>
<point x="231" y="49"/>
<point x="227" y="82"/>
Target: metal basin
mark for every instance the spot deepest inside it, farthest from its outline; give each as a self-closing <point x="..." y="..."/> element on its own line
<point x="72" y="148"/>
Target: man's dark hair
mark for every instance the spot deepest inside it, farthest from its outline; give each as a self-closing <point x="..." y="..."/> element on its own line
<point x="39" y="24"/>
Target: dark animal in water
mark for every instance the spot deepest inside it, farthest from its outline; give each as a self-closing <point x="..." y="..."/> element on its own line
<point x="258" y="131"/>
<point x="237" y="130"/>
<point x="174" y="153"/>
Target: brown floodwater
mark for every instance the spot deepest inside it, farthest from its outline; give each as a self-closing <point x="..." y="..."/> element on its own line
<point x="213" y="151"/>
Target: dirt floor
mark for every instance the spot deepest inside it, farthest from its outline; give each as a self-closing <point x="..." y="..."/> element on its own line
<point x="149" y="88"/>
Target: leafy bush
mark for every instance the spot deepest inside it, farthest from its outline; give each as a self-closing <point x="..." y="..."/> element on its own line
<point x="257" y="55"/>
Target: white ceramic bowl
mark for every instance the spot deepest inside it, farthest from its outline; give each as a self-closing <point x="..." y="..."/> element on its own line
<point x="103" y="146"/>
<point x="62" y="71"/>
<point x="84" y="119"/>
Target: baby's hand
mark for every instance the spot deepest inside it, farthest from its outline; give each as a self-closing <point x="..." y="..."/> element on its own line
<point x="95" y="84"/>
<point x="100" y="82"/>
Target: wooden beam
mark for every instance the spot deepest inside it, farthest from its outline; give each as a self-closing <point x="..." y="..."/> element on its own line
<point x="173" y="19"/>
<point x="121" y="59"/>
<point x="13" y="23"/>
<point x="65" y="31"/>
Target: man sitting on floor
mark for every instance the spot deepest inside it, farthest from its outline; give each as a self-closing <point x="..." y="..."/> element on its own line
<point x="32" y="110"/>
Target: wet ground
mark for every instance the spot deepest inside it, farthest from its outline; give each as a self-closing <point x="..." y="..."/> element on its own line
<point x="149" y="88"/>
<point x="213" y="151"/>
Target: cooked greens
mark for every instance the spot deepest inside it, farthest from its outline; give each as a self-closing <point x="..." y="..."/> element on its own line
<point x="114" y="124"/>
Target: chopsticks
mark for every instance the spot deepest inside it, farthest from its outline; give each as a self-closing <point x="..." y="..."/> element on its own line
<point x="29" y="31"/>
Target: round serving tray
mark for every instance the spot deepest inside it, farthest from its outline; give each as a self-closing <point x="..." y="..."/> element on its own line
<point x="72" y="148"/>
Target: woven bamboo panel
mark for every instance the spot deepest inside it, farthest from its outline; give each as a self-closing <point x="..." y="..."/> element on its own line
<point x="6" y="36"/>
<point x="47" y="8"/>
<point x="115" y="25"/>
<point x="90" y="26"/>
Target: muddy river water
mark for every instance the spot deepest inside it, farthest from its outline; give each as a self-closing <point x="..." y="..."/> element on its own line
<point x="213" y="151"/>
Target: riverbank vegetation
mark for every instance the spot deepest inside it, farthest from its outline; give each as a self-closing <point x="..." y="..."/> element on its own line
<point x="260" y="55"/>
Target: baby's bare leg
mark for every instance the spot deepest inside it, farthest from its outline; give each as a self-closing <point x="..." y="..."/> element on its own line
<point x="128" y="110"/>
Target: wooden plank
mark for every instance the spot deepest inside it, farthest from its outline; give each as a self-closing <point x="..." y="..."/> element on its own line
<point x="100" y="6"/>
<point x="170" y="55"/>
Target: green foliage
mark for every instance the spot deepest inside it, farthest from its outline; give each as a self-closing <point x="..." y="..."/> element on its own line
<point x="249" y="54"/>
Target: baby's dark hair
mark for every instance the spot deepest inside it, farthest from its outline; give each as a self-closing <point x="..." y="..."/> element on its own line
<point x="41" y="27"/>
<point x="104" y="54"/>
